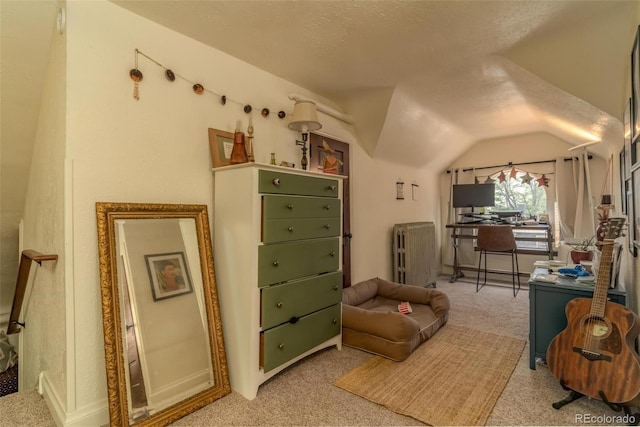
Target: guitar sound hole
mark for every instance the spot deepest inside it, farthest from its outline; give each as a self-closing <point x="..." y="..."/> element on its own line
<point x="596" y="326"/>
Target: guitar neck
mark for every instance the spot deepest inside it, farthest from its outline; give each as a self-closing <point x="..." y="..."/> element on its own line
<point x="603" y="280"/>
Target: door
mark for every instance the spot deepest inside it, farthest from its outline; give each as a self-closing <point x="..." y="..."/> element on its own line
<point x="316" y="161"/>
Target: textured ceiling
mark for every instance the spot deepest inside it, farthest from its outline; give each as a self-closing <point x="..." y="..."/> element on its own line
<point x="416" y="73"/>
<point x="455" y="71"/>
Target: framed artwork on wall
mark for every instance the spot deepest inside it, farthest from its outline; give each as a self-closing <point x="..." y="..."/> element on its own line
<point x="634" y="217"/>
<point x="623" y="181"/>
<point x="168" y="275"/>
<point x="626" y="172"/>
<point x="635" y="101"/>
<point x="630" y="222"/>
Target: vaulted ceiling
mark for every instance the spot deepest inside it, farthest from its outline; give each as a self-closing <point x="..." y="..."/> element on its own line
<point x="430" y="73"/>
<point x="419" y="75"/>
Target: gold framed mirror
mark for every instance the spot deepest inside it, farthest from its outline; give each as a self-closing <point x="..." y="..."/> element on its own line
<point x="164" y="347"/>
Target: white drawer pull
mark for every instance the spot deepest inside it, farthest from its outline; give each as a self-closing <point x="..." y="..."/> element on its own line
<point x="334" y="321"/>
<point x="290" y="206"/>
<point x="276" y="181"/>
<point x="335" y="288"/>
<point x="279" y="304"/>
<point x="332" y="253"/>
<point x="281" y="346"/>
<point x="290" y="228"/>
<point x="276" y="263"/>
<point x="327" y="207"/>
<point x="332" y="187"/>
<point x="327" y="226"/>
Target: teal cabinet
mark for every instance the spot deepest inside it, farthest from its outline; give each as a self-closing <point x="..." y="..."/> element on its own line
<point x="547" y="317"/>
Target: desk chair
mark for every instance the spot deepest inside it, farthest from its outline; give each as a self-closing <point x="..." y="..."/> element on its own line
<point x="499" y="240"/>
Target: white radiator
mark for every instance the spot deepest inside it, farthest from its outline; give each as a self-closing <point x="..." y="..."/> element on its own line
<point x="414" y="254"/>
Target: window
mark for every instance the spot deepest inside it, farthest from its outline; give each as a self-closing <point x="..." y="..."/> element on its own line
<point x="521" y="193"/>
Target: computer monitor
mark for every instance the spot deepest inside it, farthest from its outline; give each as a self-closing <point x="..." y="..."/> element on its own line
<point x="474" y="195"/>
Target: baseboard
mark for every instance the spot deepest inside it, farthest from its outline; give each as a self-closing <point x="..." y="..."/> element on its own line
<point x="96" y="414"/>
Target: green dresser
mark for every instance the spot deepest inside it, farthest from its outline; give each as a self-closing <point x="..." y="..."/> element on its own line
<point x="278" y="257"/>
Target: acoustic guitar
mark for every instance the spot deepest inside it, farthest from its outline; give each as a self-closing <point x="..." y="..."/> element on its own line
<point x="595" y="354"/>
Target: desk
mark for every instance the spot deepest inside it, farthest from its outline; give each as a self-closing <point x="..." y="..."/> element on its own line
<point x="546" y="311"/>
<point x="470" y="231"/>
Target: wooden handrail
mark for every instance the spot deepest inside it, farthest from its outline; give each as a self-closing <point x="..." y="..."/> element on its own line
<point x="28" y="256"/>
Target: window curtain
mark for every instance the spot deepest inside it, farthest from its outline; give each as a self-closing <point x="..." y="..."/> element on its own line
<point x="573" y="189"/>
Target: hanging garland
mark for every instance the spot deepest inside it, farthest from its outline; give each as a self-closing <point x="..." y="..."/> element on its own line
<point x="136" y="75"/>
<point x="525" y="177"/>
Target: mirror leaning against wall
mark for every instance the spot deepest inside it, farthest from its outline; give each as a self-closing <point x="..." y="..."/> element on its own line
<point x="164" y="348"/>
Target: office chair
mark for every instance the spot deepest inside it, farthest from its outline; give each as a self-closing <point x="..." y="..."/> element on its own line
<point x="499" y="240"/>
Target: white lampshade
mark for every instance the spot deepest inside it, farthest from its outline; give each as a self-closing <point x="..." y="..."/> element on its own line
<point x="305" y="117"/>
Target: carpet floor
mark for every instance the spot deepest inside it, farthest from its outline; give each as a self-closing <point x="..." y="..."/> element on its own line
<point x="304" y="394"/>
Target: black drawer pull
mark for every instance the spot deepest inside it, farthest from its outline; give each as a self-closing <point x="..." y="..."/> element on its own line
<point x="276" y="263"/>
<point x="293" y="320"/>
<point x="290" y="228"/>
<point x="290" y="206"/>
<point x="276" y="181"/>
<point x="332" y="253"/>
<point x="281" y="346"/>
<point x="279" y="304"/>
<point x="327" y="226"/>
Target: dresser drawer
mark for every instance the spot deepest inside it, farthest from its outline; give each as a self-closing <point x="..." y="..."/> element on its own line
<point x="286" y="183"/>
<point x="283" y="230"/>
<point x="285" y="261"/>
<point x="283" y="343"/>
<point x="299" y="207"/>
<point x="295" y="299"/>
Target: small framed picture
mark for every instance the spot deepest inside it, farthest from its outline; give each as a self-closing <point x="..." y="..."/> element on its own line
<point x="220" y="146"/>
<point x="168" y="275"/>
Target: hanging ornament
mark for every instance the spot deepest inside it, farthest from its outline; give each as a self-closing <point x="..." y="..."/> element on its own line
<point x="543" y="180"/>
<point x="136" y="76"/>
<point x="282" y="114"/>
<point x="526" y="179"/>
<point x="477" y="181"/>
<point x="514" y="173"/>
<point x="247" y="108"/>
<point x="170" y="75"/>
<point x="502" y="177"/>
<point x="198" y="88"/>
<point x="489" y="180"/>
<point x="223" y="99"/>
<point x="265" y="112"/>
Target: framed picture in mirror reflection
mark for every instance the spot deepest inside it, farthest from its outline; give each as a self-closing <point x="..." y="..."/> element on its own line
<point x="168" y="275"/>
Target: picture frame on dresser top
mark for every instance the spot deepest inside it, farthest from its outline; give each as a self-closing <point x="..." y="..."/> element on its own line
<point x="220" y="147"/>
<point x="268" y="221"/>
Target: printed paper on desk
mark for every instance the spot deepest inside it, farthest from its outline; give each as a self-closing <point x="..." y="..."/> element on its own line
<point x="547" y="278"/>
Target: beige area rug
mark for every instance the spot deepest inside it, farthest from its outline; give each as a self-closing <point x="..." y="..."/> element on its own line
<point x="455" y="378"/>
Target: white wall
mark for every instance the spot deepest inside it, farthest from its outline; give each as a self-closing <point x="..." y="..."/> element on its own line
<point x="156" y="150"/>
<point x="44" y="338"/>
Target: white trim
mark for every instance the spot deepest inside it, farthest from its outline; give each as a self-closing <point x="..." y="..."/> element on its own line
<point x="96" y="414"/>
